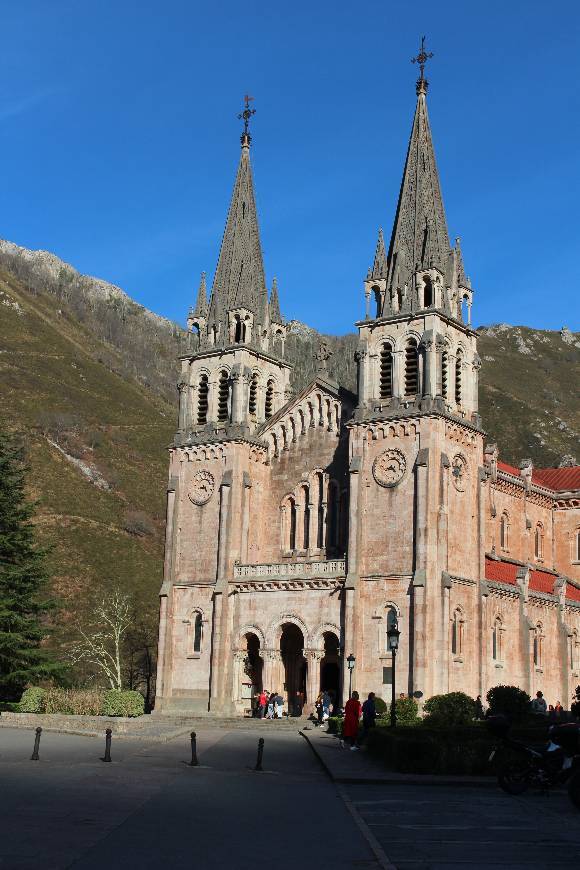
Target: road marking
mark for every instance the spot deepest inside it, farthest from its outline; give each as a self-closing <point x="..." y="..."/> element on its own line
<point x="370" y="838"/>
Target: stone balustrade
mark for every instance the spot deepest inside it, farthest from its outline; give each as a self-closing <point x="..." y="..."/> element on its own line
<point x="327" y="568"/>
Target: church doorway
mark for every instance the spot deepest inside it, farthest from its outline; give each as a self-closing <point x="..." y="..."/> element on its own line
<point x="330" y="666"/>
<point x="253" y="664"/>
<point x="292" y="650"/>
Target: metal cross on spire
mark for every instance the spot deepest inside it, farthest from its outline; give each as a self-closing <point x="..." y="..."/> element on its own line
<point x="246" y="115"/>
<point x="422" y="58"/>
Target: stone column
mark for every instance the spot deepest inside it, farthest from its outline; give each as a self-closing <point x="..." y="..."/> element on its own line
<point x="361" y="356"/>
<point x="247" y="495"/>
<point x="160" y="682"/>
<point x="373" y="390"/>
<point x="239" y="657"/>
<point x="312" y="523"/>
<point x="353" y="567"/>
<point x="220" y="648"/>
<point x="237" y="383"/>
<point x="442" y="685"/>
<point x="313" y="658"/>
<point x="398" y="373"/>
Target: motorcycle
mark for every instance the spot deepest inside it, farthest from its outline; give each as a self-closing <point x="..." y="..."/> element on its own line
<point x="520" y="767"/>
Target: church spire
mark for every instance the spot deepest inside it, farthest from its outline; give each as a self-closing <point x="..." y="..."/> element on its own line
<point x="239" y="280"/>
<point x="200" y="309"/>
<point x="419" y="239"/>
<point x="275" y="315"/>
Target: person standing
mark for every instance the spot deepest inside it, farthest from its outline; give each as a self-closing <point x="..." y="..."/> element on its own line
<point x="369" y="714"/>
<point x="325" y="706"/>
<point x="479" y="708"/>
<point x="279" y="705"/>
<point x="270" y="706"/>
<point x="261" y="704"/>
<point x="539" y="704"/>
<point x="352" y="713"/>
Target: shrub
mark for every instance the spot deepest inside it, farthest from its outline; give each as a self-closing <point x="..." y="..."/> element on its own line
<point x="335" y="724"/>
<point x="509" y="700"/>
<point x="128" y="703"/>
<point x="380" y="706"/>
<point x="454" y="708"/>
<point x="449" y="750"/>
<point x="407" y="711"/>
<point x="74" y="702"/>
<point x="138" y="523"/>
<point x="575" y="705"/>
<point x="32" y="700"/>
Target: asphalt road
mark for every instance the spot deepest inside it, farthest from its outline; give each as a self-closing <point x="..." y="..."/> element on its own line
<point x="455" y="828"/>
<point x="148" y="809"/>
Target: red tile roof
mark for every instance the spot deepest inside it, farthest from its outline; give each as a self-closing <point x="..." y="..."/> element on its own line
<point x="557" y="478"/>
<point x="503" y="466"/>
<point x="502" y="572"/>
<point x="542" y="581"/>
<point x="572" y="592"/>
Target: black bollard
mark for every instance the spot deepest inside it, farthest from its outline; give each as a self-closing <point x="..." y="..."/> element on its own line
<point x="194" y="762"/>
<point x="107" y="757"/>
<point x="260" y="754"/>
<point x="34" y="756"/>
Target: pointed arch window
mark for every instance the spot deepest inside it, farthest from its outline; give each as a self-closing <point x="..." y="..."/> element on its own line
<point x="202" y="399"/>
<point x="377" y="296"/>
<point x="306" y="517"/>
<point x="332" y="532"/>
<point x="386" y="372"/>
<point x="253" y="395"/>
<point x="538" y="644"/>
<point x="291" y="542"/>
<point x="497" y="640"/>
<point x="399" y="300"/>
<point x="269" y="403"/>
<point x="223" y="396"/>
<point x="411" y="368"/>
<point x="427" y="292"/>
<point x="539" y="542"/>
<point x="504" y="529"/>
<point x="458" y="384"/>
<point x="320" y="511"/>
<point x="457" y="631"/>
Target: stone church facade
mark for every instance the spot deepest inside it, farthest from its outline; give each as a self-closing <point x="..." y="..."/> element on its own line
<point x="299" y="527"/>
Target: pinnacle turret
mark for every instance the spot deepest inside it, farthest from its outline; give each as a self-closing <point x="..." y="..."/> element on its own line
<point x="379" y="269"/>
<point x="201" y="306"/>
<point x="275" y="315"/>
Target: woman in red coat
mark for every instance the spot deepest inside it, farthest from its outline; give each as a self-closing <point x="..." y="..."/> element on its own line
<point x="352" y="713"/>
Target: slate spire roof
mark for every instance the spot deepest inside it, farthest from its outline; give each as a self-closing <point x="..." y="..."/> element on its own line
<point x="419" y="238"/>
<point x="379" y="269"/>
<point x="239" y="279"/>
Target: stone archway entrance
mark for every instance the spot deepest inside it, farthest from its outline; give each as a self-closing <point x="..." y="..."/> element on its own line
<point x="330" y="666"/>
<point x="294" y="664"/>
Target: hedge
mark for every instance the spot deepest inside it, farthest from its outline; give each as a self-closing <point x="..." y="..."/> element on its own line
<point x="82" y="702"/>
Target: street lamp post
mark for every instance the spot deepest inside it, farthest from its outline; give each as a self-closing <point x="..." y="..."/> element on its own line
<point x="350" y="662"/>
<point x="393" y="635"/>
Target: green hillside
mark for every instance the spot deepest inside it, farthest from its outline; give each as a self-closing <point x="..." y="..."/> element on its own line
<point x="96" y="445"/>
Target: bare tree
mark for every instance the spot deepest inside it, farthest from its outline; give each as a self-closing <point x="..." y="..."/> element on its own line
<point x="100" y="643"/>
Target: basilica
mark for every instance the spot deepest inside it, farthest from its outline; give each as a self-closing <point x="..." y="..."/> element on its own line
<point x="300" y="528"/>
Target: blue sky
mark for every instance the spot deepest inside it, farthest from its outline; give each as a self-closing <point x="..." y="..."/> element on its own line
<point x="119" y="143"/>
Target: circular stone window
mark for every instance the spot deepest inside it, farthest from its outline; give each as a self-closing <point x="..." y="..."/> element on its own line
<point x="459" y="472"/>
<point x="202" y="487"/>
<point x="389" y="468"/>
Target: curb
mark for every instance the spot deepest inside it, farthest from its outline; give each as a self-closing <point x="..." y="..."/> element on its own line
<point x="403" y="778"/>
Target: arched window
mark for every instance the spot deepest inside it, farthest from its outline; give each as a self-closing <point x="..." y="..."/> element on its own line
<point x="504" y="527"/>
<point x="223" y="396"/>
<point x="274" y="444"/>
<point x="445" y="374"/>
<point x="269" y="403"/>
<point x="538" y="645"/>
<point x="302" y="424"/>
<point x="239" y="330"/>
<point x="292" y="525"/>
<point x="320" y="511"/>
<point x="306" y="517"/>
<point x="197" y="632"/>
<point x="465" y="309"/>
<point x="377" y="296"/>
<point x="332" y="513"/>
<point x="496" y="640"/>
<point x="539" y="542"/>
<point x="427" y="292"/>
<point x="411" y="368"/>
<point x="202" y="399"/>
<point x="253" y="395"/>
<point x="392" y="618"/>
<point x="386" y="373"/>
<point x="458" y="365"/>
<point x="399" y="299"/>
<point x="457" y="624"/>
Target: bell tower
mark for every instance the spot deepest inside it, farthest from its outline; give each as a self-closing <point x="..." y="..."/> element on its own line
<point x="415" y="440"/>
<point x="235" y="376"/>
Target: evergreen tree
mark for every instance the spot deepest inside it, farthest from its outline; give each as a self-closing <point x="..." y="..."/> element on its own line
<point x="24" y="607"/>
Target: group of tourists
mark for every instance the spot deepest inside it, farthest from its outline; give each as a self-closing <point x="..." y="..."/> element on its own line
<point x="550" y="710"/>
<point x="269" y="705"/>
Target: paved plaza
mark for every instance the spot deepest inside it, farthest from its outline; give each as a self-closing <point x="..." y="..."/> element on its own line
<point x="148" y="809"/>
